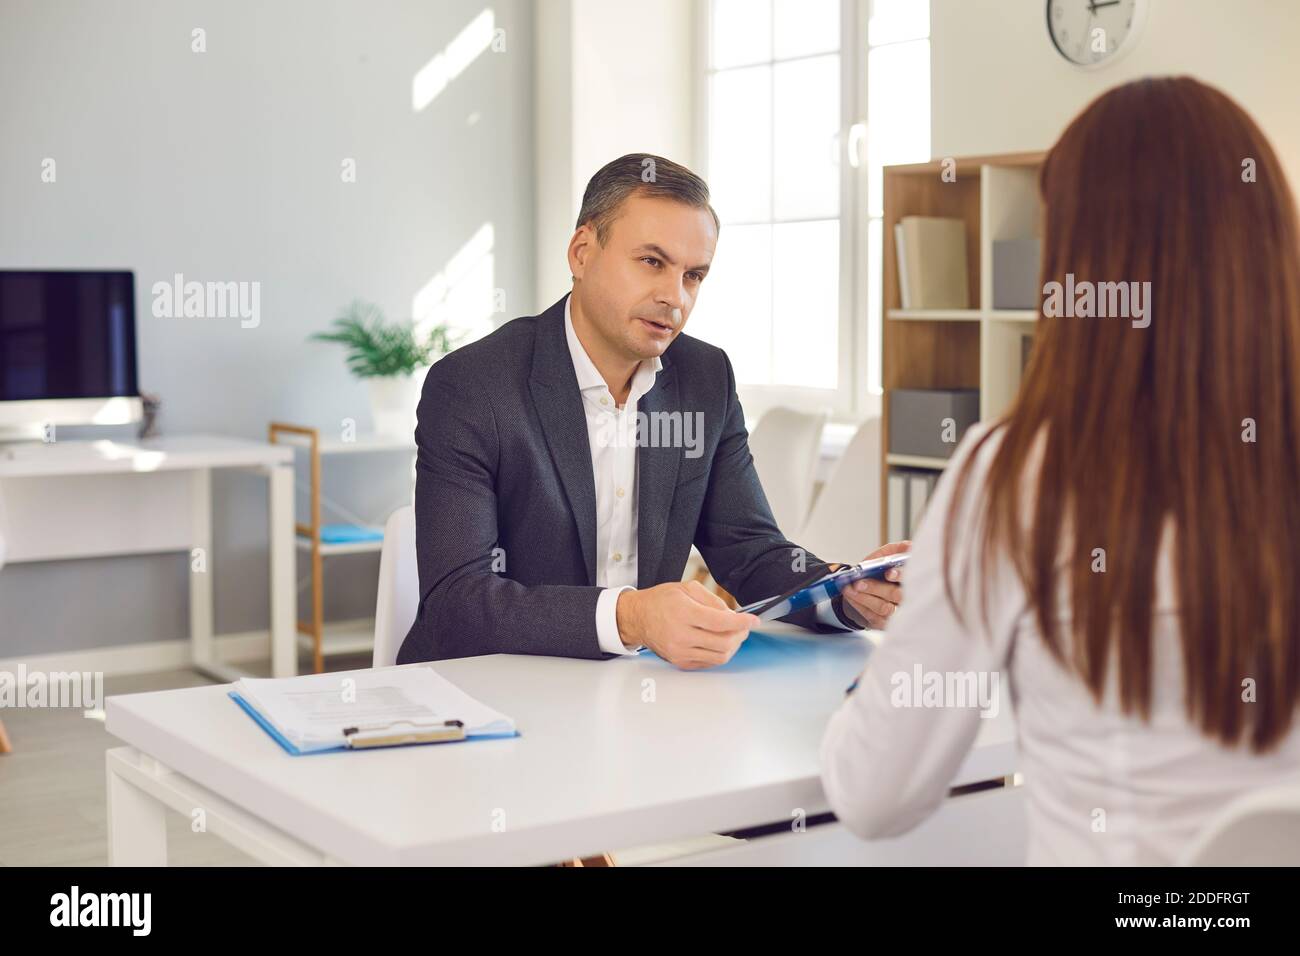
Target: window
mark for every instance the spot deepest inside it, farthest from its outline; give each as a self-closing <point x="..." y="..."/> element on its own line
<point x="898" y="121"/>
<point x="788" y="295"/>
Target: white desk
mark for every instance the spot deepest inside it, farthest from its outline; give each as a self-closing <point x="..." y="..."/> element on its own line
<point x="83" y="499"/>
<point x="599" y="766"/>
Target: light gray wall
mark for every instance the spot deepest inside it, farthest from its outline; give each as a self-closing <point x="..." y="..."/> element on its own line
<point x="225" y="166"/>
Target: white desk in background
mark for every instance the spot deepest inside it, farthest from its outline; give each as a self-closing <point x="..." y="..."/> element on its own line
<point x="612" y="754"/>
<point x="87" y="499"/>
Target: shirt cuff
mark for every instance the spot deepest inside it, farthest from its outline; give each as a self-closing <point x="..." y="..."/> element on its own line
<point x="607" y="622"/>
<point x="832" y="614"/>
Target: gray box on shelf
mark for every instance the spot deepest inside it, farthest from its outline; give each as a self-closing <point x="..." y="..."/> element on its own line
<point x="1015" y="273"/>
<point x="918" y="419"/>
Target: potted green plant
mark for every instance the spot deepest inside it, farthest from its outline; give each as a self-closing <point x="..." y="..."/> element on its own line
<point x="388" y="356"/>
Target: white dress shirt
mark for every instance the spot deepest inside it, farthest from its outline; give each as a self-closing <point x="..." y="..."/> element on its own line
<point x="1102" y="787"/>
<point x="611" y="431"/>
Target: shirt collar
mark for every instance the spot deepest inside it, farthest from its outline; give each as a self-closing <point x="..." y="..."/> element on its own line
<point x="589" y="376"/>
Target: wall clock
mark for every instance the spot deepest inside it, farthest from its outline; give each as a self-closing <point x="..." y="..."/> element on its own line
<point x="1094" y="33"/>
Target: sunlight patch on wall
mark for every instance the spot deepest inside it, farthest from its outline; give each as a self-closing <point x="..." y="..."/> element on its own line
<point x="463" y="295"/>
<point x="464" y="49"/>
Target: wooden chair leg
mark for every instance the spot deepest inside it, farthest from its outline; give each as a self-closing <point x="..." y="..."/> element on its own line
<point x="5" y="746"/>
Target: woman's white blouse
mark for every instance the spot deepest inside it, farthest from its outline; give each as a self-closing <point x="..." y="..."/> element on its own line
<point x="1101" y="787"/>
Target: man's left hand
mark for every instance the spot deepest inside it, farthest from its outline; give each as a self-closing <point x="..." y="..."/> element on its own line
<point x="871" y="602"/>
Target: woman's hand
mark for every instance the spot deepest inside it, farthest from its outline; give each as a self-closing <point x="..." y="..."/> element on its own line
<point x="871" y="602"/>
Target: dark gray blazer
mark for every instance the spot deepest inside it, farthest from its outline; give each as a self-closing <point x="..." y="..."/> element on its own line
<point x="505" y="498"/>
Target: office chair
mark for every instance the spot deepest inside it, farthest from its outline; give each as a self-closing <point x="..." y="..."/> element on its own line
<point x="399" y="586"/>
<point x="1258" y="829"/>
<point x="5" y="746"/>
<point x="845" y="521"/>
<point x="786" y="445"/>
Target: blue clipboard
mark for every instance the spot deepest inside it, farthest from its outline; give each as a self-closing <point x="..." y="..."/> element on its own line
<point x="290" y="748"/>
<point x="824" y="589"/>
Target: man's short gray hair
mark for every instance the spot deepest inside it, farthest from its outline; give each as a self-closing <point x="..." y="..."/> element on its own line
<point x="642" y="174"/>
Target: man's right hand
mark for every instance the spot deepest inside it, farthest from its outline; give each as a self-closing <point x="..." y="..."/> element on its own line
<point x="686" y="624"/>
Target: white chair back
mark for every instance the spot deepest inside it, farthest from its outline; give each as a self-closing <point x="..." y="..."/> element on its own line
<point x="3" y="525"/>
<point x="845" y="520"/>
<point x="786" y="445"/>
<point x="1258" y="829"/>
<point x="399" y="586"/>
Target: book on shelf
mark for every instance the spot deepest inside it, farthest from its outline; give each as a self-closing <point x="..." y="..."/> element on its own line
<point x="931" y="254"/>
<point x="900" y="252"/>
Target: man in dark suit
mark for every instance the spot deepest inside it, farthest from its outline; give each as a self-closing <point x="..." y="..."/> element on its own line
<point x="568" y="461"/>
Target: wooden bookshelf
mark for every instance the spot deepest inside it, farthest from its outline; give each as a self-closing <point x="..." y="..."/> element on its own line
<point x="975" y="348"/>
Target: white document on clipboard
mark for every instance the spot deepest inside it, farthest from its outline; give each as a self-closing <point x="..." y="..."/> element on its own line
<point x="388" y="706"/>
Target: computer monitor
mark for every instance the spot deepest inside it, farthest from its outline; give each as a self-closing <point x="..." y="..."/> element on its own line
<point x="67" y="350"/>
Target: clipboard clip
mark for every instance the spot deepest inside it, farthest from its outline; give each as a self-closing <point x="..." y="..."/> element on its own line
<point x="393" y="735"/>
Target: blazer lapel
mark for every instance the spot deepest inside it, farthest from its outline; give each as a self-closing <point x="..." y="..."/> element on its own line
<point x="554" y="387"/>
<point x="656" y="476"/>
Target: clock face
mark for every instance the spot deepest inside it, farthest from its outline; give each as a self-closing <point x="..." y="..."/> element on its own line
<point x="1091" y="32"/>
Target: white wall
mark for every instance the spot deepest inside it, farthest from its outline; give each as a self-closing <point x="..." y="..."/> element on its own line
<point x="613" y="77"/>
<point x="998" y="85"/>
<point x="225" y="166"/>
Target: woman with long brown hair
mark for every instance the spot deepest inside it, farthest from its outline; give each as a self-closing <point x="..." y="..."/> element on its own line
<point x="1121" y="547"/>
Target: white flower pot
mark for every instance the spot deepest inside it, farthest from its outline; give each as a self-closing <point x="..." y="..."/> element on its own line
<point x="393" y="399"/>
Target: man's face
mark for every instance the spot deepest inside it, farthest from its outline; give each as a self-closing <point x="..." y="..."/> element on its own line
<point x="638" y="289"/>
